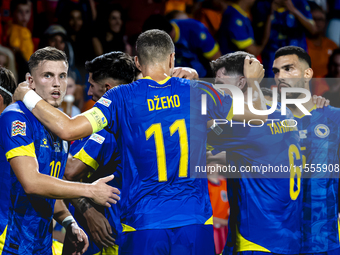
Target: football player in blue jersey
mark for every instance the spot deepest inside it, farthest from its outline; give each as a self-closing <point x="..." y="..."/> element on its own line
<point x="37" y="159"/>
<point x="258" y="199"/>
<point x="164" y="210"/>
<point x="236" y="31"/>
<point x="320" y="139"/>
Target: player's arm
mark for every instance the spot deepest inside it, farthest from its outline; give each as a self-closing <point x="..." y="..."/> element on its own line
<point x="308" y="24"/>
<point x="98" y="225"/>
<point x="26" y="169"/>
<point x="254" y="72"/>
<point x="75" y="234"/>
<point x="76" y="169"/>
<point x="59" y="123"/>
<point x="185" y="72"/>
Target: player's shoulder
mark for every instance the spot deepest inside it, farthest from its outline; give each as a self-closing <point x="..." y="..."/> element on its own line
<point x="329" y="111"/>
<point x="187" y="23"/>
<point x="102" y="137"/>
<point x="16" y="110"/>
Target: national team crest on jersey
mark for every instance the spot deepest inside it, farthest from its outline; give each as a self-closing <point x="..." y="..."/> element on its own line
<point x="18" y="128"/>
<point x="98" y="138"/>
<point x="321" y="131"/>
<point x="56" y="146"/>
<point x="105" y="101"/>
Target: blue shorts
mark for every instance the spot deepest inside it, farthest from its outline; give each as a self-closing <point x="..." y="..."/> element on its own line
<point x="332" y="252"/>
<point x="186" y="240"/>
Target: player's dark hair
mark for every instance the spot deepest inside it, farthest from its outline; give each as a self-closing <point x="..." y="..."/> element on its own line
<point x="154" y="46"/>
<point x="15" y="3"/>
<point x="294" y="50"/>
<point x="116" y="65"/>
<point x="8" y="82"/>
<point x="232" y="62"/>
<point x="47" y="53"/>
<point x="315" y="7"/>
<point x="157" y="21"/>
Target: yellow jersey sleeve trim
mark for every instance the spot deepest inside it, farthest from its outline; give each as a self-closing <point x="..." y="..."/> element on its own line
<point x="244" y="43"/>
<point x="299" y="117"/>
<point x="243" y="244"/>
<point x="209" y="221"/>
<point x="127" y="228"/>
<point x="240" y="10"/>
<point x="159" y="82"/>
<point x="113" y="250"/>
<point x="87" y="159"/>
<point x="2" y="240"/>
<point x="28" y="150"/>
<point x="209" y="147"/>
<point x="231" y="112"/>
<point x="96" y="118"/>
<point x="339" y="229"/>
<point x="281" y="10"/>
<point x="211" y="53"/>
<point x="177" y="32"/>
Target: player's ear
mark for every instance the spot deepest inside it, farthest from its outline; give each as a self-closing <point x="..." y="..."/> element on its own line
<point x="308" y="75"/>
<point x="172" y="60"/>
<point x="108" y="86"/>
<point x="138" y="64"/>
<point x="31" y="82"/>
<point x="241" y="84"/>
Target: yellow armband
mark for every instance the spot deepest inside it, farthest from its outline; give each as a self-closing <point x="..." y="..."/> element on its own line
<point x="96" y="118"/>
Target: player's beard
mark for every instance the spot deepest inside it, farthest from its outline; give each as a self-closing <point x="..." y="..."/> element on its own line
<point x="300" y="84"/>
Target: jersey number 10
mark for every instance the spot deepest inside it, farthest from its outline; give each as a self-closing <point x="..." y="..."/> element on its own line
<point x="156" y="130"/>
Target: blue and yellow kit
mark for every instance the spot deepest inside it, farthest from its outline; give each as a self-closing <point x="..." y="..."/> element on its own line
<point x="320" y="139"/>
<point x="265" y="206"/>
<point x="192" y="39"/>
<point x="285" y="29"/>
<point x="236" y="32"/>
<point x="99" y="151"/>
<point x="162" y="136"/>
<point x="29" y="219"/>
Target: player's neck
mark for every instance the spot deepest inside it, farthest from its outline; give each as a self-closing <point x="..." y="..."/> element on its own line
<point x="156" y="72"/>
<point x="244" y="5"/>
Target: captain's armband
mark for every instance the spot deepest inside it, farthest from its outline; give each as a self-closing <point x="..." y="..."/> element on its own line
<point x="96" y="118"/>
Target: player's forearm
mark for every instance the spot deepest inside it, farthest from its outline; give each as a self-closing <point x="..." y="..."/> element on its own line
<point x="81" y="204"/>
<point x="306" y="23"/>
<point x="266" y="33"/>
<point x="47" y="186"/>
<point x="60" y="211"/>
<point x="60" y="124"/>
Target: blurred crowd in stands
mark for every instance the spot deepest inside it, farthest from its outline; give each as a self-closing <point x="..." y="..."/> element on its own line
<point x="202" y="30"/>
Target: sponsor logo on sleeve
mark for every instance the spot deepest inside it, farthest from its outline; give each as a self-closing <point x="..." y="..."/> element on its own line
<point x="97" y="138"/>
<point x="18" y="128"/>
<point x="105" y="101"/>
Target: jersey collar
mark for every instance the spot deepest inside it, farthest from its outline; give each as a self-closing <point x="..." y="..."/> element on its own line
<point x="160" y="82"/>
<point x="299" y="117"/>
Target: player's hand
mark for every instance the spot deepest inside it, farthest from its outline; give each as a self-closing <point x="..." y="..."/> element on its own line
<point x="104" y="194"/>
<point x="21" y="91"/>
<point x="289" y="5"/>
<point x="78" y="238"/>
<point x="99" y="227"/>
<point x="320" y="101"/>
<point x="253" y="69"/>
<point x="185" y="72"/>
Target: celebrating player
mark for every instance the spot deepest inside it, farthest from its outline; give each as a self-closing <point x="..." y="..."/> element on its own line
<point x="151" y="117"/>
<point x="37" y="158"/>
<point x="264" y="206"/>
<point x="320" y="139"/>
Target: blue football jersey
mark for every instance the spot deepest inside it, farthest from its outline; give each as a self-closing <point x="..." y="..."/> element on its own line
<point x="265" y="203"/>
<point x="192" y="39"/>
<point x="320" y="140"/>
<point x="99" y="151"/>
<point x="286" y="30"/>
<point x="5" y="186"/>
<point x="236" y="32"/>
<point x="29" y="219"/>
<point x="162" y="136"/>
